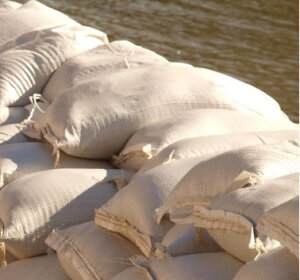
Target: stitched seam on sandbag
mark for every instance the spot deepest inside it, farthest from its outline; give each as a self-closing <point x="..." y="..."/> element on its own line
<point x="222" y="223"/>
<point x="116" y="224"/>
<point x="81" y="257"/>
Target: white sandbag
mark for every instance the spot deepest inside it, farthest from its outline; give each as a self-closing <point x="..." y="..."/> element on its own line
<point x="113" y="56"/>
<point x="191" y="147"/>
<point x="278" y="264"/>
<point x="9" y="5"/>
<point x="28" y="17"/>
<point x="42" y="52"/>
<point x="131" y="211"/>
<point x="12" y="133"/>
<point x="206" y="266"/>
<point x="185" y="240"/>
<point x="35" y="204"/>
<point x="114" y="107"/>
<point x="151" y="139"/>
<point x="87" y="252"/>
<point x="229" y="171"/>
<point x="282" y="224"/>
<point x="44" y="267"/>
<point x="231" y="220"/>
<point x="9" y="115"/>
<point x="19" y="159"/>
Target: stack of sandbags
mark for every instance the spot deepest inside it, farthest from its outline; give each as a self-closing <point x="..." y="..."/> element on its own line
<point x="151" y="139"/>
<point x="204" y="145"/>
<point x="208" y="266"/>
<point x="34" y="41"/>
<point x="220" y="179"/>
<point x="229" y="171"/>
<point x="112" y="108"/>
<point x="231" y="220"/>
<point x="131" y="211"/>
<point x="35" y="204"/>
<point x="282" y="224"/>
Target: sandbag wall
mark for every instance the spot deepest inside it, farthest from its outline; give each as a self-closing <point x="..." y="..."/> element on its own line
<point x="118" y="164"/>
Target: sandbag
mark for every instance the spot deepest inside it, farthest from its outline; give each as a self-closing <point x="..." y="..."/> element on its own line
<point x="35" y="204"/>
<point x="12" y="133"/>
<point x="110" y="57"/>
<point x="87" y="252"/>
<point x="206" y="266"/>
<point x="151" y="139"/>
<point x="9" y="5"/>
<point x="31" y="16"/>
<point x="131" y="211"/>
<point x="42" y="52"/>
<point x="216" y="144"/>
<point x="19" y="159"/>
<point x="278" y="264"/>
<point x="282" y="224"/>
<point x="227" y="172"/>
<point x="231" y="220"/>
<point x="185" y="240"/>
<point x="114" y="107"/>
<point x="10" y="115"/>
<point x="44" y="267"/>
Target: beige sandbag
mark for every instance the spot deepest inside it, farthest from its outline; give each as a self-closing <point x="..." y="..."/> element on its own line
<point x="206" y="266"/>
<point x="44" y="267"/>
<point x="35" y="204"/>
<point x="8" y="5"/>
<point x="227" y="172"/>
<point x="216" y="144"/>
<point x="19" y="159"/>
<point x="30" y="16"/>
<point x="231" y="220"/>
<point x="12" y="133"/>
<point x="282" y="224"/>
<point x="278" y="264"/>
<point x="185" y="240"/>
<point x="87" y="252"/>
<point x="114" y="107"/>
<point x="131" y="211"/>
<point x="9" y="115"/>
<point x="151" y="139"/>
<point x="114" y="56"/>
<point x="43" y="52"/>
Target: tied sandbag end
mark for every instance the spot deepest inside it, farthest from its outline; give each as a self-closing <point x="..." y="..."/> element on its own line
<point x="146" y="153"/>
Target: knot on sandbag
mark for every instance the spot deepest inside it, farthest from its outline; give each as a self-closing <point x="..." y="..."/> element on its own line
<point x="2" y="254"/>
<point x="259" y="247"/>
<point x="145" y="153"/>
<point x="161" y="252"/>
<point x="118" y="181"/>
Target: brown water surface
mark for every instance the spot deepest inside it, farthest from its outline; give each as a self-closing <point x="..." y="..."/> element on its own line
<point x="253" y="40"/>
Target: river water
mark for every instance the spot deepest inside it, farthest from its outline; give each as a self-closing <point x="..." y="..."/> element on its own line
<point x="255" y="41"/>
